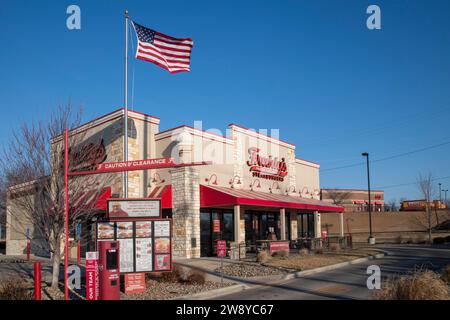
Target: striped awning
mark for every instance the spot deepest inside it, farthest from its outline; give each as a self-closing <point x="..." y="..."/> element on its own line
<point x="214" y="196"/>
<point x="164" y="193"/>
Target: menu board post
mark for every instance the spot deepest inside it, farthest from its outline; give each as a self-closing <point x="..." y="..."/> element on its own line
<point x="221" y="252"/>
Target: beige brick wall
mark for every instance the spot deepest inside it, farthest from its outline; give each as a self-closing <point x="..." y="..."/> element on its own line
<point x="186" y="212"/>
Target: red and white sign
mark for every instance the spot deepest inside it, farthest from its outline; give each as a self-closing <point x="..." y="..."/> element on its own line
<point x="134" y="283"/>
<point x="134" y="208"/>
<point x="92" y="281"/>
<point x="145" y="164"/>
<point x="276" y="246"/>
<point x="324" y="234"/>
<point x="216" y="226"/>
<point x="221" y="248"/>
<point x="266" y="167"/>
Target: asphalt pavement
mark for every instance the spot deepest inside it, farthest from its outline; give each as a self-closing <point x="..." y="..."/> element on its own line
<point x="349" y="282"/>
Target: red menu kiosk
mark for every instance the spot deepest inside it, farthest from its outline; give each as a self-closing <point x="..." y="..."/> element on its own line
<point x="109" y="273"/>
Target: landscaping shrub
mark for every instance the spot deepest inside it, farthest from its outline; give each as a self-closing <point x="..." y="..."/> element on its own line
<point x="335" y="247"/>
<point x="281" y="254"/>
<point x="263" y="256"/>
<point x="420" y="285"/>
<point x="303" y="252"/>
<point x="174" y="276"/>
<point x="195" y="276"/>
<point x="446" y="275"/>
<point x="399" y="239"/>
<point x="439" y="240"/>
<point x="318" y="251"/>
<point x="15" y="289"/>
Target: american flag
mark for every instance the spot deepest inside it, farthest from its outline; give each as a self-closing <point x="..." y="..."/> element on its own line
<point x="172" y="54"/>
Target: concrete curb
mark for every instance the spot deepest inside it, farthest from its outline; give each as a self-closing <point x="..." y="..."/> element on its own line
<point x="213" y="293"/>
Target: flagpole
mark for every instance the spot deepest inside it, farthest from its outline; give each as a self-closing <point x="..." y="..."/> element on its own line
<point x="125" y="147"/>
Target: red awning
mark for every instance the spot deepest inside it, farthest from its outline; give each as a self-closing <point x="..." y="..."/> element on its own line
<point x="164" y="193"/>
<point x="212" y="196"/>
<point x="93" y="199"/>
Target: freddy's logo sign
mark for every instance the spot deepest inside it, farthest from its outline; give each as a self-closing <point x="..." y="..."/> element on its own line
<point x="266" y="167"/>
<point x="86" y="157"/>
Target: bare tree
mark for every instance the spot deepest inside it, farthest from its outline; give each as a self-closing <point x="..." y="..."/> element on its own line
<point x="337" y="196"/>
<point x="32" y="167"/>
<point x="2" y="208"/>
<point x="426" y="187"/>
<point x="392" y="205"/>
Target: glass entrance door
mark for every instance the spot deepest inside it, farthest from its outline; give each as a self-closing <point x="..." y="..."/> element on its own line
<point x="205" y="234"/>
<point x="209" y="238"/>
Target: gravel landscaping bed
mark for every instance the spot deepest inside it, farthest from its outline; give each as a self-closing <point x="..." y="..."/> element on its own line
<point x="245" y="270"/>
<point x="159" y="290"/>
<point x="297" y="262"/>
<point x="156" y="290"/>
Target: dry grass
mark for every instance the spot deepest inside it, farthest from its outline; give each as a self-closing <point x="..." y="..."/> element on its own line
<point x="334" y="247"/>
<point x="281" y="254"/>
<point x="15" y="289"/>
<point x="263" y="257"/>
<point x="419" y="285"/>
<point x="303" y="252"/>
<point x="446" y="275"/>
<point x="183" y="275"/>
<point x="318" y="251"/>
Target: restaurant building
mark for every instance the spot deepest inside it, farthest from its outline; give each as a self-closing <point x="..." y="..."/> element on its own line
<point x="254" y="184"/>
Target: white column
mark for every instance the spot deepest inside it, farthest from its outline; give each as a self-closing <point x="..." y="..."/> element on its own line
<point x="283" y="223"/>
<point x="341" y="223"/>
<point x="237" y="223"/>
<point x="317" y="224"/>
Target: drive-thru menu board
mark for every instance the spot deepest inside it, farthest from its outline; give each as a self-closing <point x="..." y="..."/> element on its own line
<point x="145" y="245"/>
<point x="124" y="232"/>
<point x="162" y="245"/>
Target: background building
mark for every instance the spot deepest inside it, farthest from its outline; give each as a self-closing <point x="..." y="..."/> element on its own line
<point x="354" y="200"/>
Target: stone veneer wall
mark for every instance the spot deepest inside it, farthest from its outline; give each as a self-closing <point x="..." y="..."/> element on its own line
<point x="185" y="212"/>
<point x="133" y="176"/>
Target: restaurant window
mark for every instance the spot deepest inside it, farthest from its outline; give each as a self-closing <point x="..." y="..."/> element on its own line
<point x="305" y="225"/>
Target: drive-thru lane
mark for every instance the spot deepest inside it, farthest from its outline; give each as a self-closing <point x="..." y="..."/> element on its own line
<point x="349" y="282"/>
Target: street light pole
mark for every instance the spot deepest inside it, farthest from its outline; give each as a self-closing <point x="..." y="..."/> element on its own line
<point x="445" y="196"/>
<point x="371" y="239"/>
<point x="440" y="192"/>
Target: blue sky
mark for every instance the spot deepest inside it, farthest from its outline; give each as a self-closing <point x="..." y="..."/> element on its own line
<point x="309" y="68"/>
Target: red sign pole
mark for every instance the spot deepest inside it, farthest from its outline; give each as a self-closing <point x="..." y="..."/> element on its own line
<point x="66" y="212"/>
<point x="37" y="281"/>
<point x="28" y="250"/>
<point x="78" y="252"/>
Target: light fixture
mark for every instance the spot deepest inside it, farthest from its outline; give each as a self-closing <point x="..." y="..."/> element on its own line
<point x="232" y="181"/>
<point x="211" y="181"/>
<point x="277" y="188"/>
